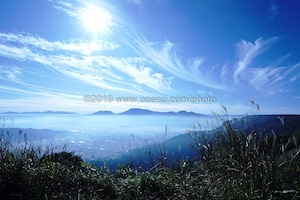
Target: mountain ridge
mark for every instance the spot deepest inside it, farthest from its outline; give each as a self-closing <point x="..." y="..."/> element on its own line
<point x="139" y="111"/>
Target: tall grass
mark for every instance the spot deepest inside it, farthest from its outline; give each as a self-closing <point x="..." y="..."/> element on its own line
<point x="237" y="160"/>
<point x="27" y="172"/>
<point x="148" y="156"/>
<point x="244" y="162"/>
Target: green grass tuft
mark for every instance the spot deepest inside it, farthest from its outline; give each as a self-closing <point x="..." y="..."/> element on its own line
<point x="236" y="161"/>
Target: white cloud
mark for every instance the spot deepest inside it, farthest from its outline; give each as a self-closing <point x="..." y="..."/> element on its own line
<point x="165" y="58"/>
<point x="247" y="51"/>
<point x="9" y="73"/>
<point x="141" y="74"/>
<point x="268" y="79"/>
<point x="157" y="66"/>
<point x="75" y="44"/>
<point x="14" y="52"/>
<point x="65" y="7"/>
<point x="101" y="71"/>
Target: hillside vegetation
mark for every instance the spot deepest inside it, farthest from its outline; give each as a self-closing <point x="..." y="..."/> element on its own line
<point x="236" y="162"/>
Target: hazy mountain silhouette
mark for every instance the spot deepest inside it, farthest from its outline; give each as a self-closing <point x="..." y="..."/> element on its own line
<point x="138" y="111"/>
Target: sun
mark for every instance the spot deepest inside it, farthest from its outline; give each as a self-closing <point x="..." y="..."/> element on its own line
<point x="96" y="20"/>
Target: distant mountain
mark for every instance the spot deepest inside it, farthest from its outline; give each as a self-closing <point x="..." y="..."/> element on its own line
<point x="285" y="127"/>
<point x="10" y="112"/>
<point x="45" y="112"/>
<point x="187" y="113"/>
<point x="103" y="113"/>
<point x="138" y="111"/>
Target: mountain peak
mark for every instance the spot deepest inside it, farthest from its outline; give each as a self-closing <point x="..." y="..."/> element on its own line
<point x="103" y="112"/>
<point x="139" y="111"/>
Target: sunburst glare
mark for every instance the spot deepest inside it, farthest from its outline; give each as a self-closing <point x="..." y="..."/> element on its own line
<point x="96" y="20"/>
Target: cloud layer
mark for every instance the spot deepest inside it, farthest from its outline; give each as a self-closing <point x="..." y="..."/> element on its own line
<point x="129" y="63"/>
<point x="152" y="68"/>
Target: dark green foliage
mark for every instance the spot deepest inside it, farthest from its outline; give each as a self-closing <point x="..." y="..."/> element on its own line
<point x="236" y="161"/>
<point x="246" y="163"/>
<point x="64" y="158"/>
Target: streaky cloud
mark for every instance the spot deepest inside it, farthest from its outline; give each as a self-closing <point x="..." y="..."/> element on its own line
<point x="106" y="72"/>
<point x="154" y="68"/>
<point x="9" y="73"/>
<point x="247" y="51"/>
<point x="74" y="44"/>
<point x="220" y="76"/>
<point x="164" y="57"/>
<point x="268" y="79"/>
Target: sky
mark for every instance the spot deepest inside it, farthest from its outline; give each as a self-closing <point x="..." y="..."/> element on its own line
<point x="164" y="55"/>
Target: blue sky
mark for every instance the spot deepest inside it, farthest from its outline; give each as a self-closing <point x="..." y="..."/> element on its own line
<point x="54" y="52"/>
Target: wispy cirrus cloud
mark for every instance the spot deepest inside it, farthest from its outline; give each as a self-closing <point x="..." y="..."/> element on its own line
<point x="272" y="78"/>
<point x="117" y="74"/>
<point x="267" y="78"/>
<point x="247" y="51"/>
<point x="23" y="94"/>
<point x="222" y="76"/>
<point x="108" y="72"/>
<point x="141" y="74"/>
<point x="12" y="79"/>
<point x="65" y="6"/>
<point x="155" y="68"/>
<point x="164" y="57"/>
<point x="73" y="45"/>
<point x="9" y="73"/>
